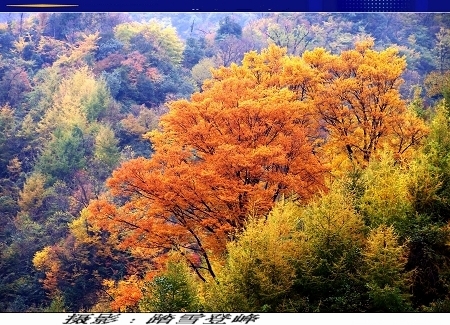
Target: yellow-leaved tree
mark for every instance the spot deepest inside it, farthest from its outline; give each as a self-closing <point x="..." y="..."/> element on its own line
<point x="261" y="264"/>
<point x="359" y="106"/>
<point x="384" y="271"/>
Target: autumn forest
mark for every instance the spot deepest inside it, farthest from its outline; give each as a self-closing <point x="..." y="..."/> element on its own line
<point x="224" y="162"/>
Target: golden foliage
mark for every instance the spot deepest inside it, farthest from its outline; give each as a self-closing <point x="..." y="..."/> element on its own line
<point x="331" y="222"/>
<point x="73" y="103"/>
<point x="14" y="166"/>
<point x="386" y="199"/>
<point x="146" y="121"/>
<point x="164" y="38"/>
<point x="384" y="270"/>
<point x="80" y="53"/>
<point x="46" y="261"/>
<point x="33" y="193"/>
<point x="385" y="259"/>
<point x="359" y="105"/>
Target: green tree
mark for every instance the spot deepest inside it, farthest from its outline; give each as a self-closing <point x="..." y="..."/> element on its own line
<point x="427" y="230"/>
<point x="33" y="194"/>
<point x="98" y="102"/>
<point x="64" y="154"/>
<point x="106" y="147"/>
<point x="172" y="291"/>
<point x="290" y="33"/>
<point x="430" y="171"/>
<point x="261" y="263"/>
<point x="202" y="71"/>
<point x="328" y="275"/>
<point x="194" y="51"/>
<point x="228" y="27"/>
<point x="386" y="197"/>
<point x="384" y="271"/>
<point x="442" y="50"/>
<point x="152" y="38"/>
<point x="7" y="138"/>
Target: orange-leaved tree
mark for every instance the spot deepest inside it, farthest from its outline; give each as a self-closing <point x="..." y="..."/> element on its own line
<point x="230" y="151"/>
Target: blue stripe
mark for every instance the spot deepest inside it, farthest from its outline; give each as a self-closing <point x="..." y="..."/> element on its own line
<point x="229" y="5"/>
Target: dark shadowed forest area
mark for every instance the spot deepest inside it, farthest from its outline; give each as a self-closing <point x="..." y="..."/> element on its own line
<point x="224" y="162"/>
